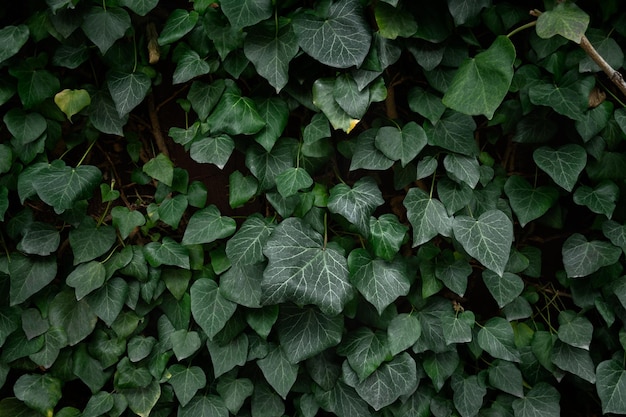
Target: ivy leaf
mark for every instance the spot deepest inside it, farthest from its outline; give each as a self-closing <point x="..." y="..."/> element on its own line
<point x="266" y="166"/>
<point x="189" y="65"/>
<point x="574" y="360"/>
<point x="99" y="404"/>
<point x="212" y="150"/>
<point x="25" y="127"/>
<point x="563" y="165"/>
<point x="89" y="241"/>
<point x="401" y="144"/>
<point x="275" y="112"/>
<point x="208" y="225"/>
<point x="365" y="350"/>
<point x="167" y="252"/>
<point x="340" y="39"/>
<point x="265" y="403"/>
<point x="426" y="104"/>
<point x="12" y="38"/>
<point x="39" y="239"/>
<point x="582" y="257"/>
<point x="347" y="94"/>
<point x="210" y="309"/>
<point x="462" y="168"/>
<point x="305" y="332"/>
<point x="402" y="332"/>
<point x="394" y="21"/>
<point x="454" y="274"/>
<point x="142" y="400"/>
<point x="104" y="116"/>
<point x="427" y="215"/>
<point x="570" y="97"/>
<point x="324" y="99"/>
<point x="160" y="168"/>
<point x="204" y="97"/>
<point x="380" y="282"/>
<point x="75" y="317"/>
<point x="468" y="394"/>
<point x="186" y="381"/>
<point x="141" y="7"/>
<point x="606" y="47"/>
<point x="506" y="377"/>
<point x="458" y="328"/>
<point x="104" y="26"/>
<point x="387" y="234"/>
<point x="235" y="114"/>
<point x="126" y="220"/>
<point x="593" y="121"/>
<point x="242" y="284"/>
<point x="29" y="275"/>
<point x="453" y="131"/>
<point x="440" y="366"/>
<point x="226" y="357"/>
<point x="481" y="83"/>
<point x="342" y="400"/>
<point x="184" y="343"/>
<point x="178" y="24"/>
<point x="70" y="102"/>
<point x="488" y="239"/>
<point x="367" y="155"/>
<point x="86" y="278"/>
<point x="242" y="13"/>
<point x="528" y="203"/>
<point x="566" y="19"/>
<point x="574" y="329"/>
<point x="246" y="246"/>
<point x="611" y="386"/>
<point x="171" y="210"/>
<point x="234" y="392"/>
<point x="270" y="46"/>
<point x="279" y="371"/>
<point x="108" y="301"/>
<point x="39" y="392"/>
<point x="505" y="288"/>
<point x="292" y="180"/>
<point x="601" y="199"/>
<point x="128" y="89"/>
<point x="302" y="270"/>
<point x="496" y="338"/>
<point x="35" y="86"/>
<point x="541" y="400"/>
<point x="615" y="232"/>
<point x="356" y="204"/>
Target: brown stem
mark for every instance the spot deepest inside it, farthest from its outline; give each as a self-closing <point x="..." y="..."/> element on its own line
<point x="615" y="76"/>
<point x="390" y="103"/>
<point x="156" y="127"/>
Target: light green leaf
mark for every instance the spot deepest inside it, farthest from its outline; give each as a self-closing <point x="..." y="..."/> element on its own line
<point x="582" y="257"/>
<point x="365" y="350"/>
<point x="29" y="275"/>
<point x="541" y="400"/>
<point x="234" y="392"/>
<point x="127" y="90"/>
<point x="402" y="332"/>
<point x="270" y="46"/>
<point x="367" y="155"/>
<point x="242" y="13"/>
<point x="387" y="234"/>
<point x="427" y="215"/>
<point x="108" y="301"/>
<point x="440" y="366"/>
<point x="279" y="371"/>
<point x="71" y="102"/>
<point x="160" y="168"/>
<point x="246" y="246"/>
<point x="302" y="270"/>
<point x="39" y="239"/>
<point x="75" y="317"/>
<point x="235" y="114"/>
<point x="356" y="204"/>
<point x="89" y="241"/>
<point x="186" y="381"/>
<point x="575" y="330"/>
<point x="462" y="168"/>
<point x="12" y="38"/>
<point x="574" y="360"/>
<point x="104" y="116"/>
<point x="454" y="132"/>
<point x="481" y="83"/>
<point x="86" y="278"/>
<point x="602" y="199"/>
<point x="505" y="288"/>
<point x="208" y="225"/>
<point x="379" y="281"/>
<point x="178" y="24"/>
<point x="401" y="144"/>
<point x="528" y="203"/>
<point x="488" y="239"/>
<point x="226" y="357"/>
<point x="566" y="19"/>
<point x="25" y="127"/>
<point x="39" y="392"/>
<point x="563" y="165"/>
<point x="611" y="386"/>
<point x="458" y="328"/>
<point x="506" y="377"/>
<point x="292" y="180"/>
<point x="104" y="26"/>
<point x="210" y="309"/>
<point x="126" y="220"/>
<point x="324" y="99"/>
<point x="340" y="39"/>
<point x="167" y="252"/>
<point x="468" y="394"/>
<point x="305" y="332"/>
<point x="496" y="338"/>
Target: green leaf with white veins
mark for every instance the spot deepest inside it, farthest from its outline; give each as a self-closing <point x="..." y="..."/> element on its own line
<point x="266" y="166"/>
<point x="275" y="112"/>
<point x="462" y="168"/>
<point x="582" y="257"/>
<point x="365" y="349"/>
<point x="186" y="381"/>
<point x="246" y="246"/>
<point x="401" y="144"/>
<point x="241" y="189"/>
<point x="127" y="89"/>
<point x="305" y="332"/>
<point x="367" y="155"/>
<point x="529" y="203"/>
<point x="184" y="343"/>
<point x="172" y="209"/>
<point x="108" y="301"/>
<point x="301" y="269"/>
<point x="563" y="165"/>
<point x="235" y="114"/>
<point x="29" y="275"/>
<point x="574" y="360"/>
<point x="39" y="392"/>
<point x="387" y="235"/>
<point x="566" y="19"/>
<point x="234" y="392"/>
<point x="454" y="132"/>
<point x="324" y="99"/>
<point x="496" y="338"/>
<point x="86" y="278"/>
<point x="208" y="225"/>
<point x="402" y="332"/>
<point x="167" y="252"/>
<point x="601" y="199"/>
<point x="615" y="232"/>
<point x="458" y="328"/>
<point x="89" y="241"/>
<point x="482" y="82"/>
<point x="214" y="150"/>
<point x="350" y="98"/>
<point x="126" y="220"/>
<point x="142" y="400"/>
<point x="104" y="26"/>
<point x="104" y="116"/>
<point x="503" y="289"/>
<point x="611" y="386"/>
<point x="226" y="357"/>
<point x="270" y="46"/>
<point x="356" y="204"/>
<point x="379" y="281"/>
<point x="75" y="317"/>
<point x="542" y="400"/>
<point x="454" y="274"/>
<point x="574" y="329"/>
<point x="12" y="38"/>
<point x="39" y="239"/>
<point x="340" y="39"/>
<point x="570" y="97"/>
<point x="242" y="284"/>
<point x="468" y="394"/>
<point x="141" y="7"/>
<point x="178" y="24"/>
<point x="440" y="366"/>
<point x="506" y="377"/>
<point x="160" y="168"/>
<point x="278" y="371"/>
<point x="488" y="239"/>
<point x="292" y="180"/>
<point x="210" y="309"/>
<point x="242" y="13"/>
<point x="427" y="215"/>
<point x="189" y="65"/>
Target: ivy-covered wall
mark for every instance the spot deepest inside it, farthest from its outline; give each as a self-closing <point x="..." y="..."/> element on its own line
<point x="312" y="208"/>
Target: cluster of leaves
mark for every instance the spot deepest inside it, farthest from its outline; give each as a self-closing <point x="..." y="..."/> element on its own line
<point x="432" y="196"/>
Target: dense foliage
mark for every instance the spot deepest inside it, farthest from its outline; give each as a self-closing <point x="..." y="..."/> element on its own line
<point x="349" y="207"/>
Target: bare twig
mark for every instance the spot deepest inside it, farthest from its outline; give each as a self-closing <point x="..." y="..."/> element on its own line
<point x="156" y="127"/>
<point x="615" y="76"/>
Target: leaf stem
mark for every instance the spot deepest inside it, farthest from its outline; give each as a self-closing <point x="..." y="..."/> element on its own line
<point x="325" y="229"/>
<point x="521" y="28"/>
<point x="86" y="153"/>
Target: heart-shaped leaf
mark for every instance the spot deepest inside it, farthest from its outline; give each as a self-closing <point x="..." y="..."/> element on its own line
<point x="28" y="276"/>
<point x="12" y="38"/>
<point x="387" y="234"/>
<point x="89" y="241"/>
<point x="356" y="204"/>
<point x="602" y="199"/>
<point x="72" y="101"/>
<point x="505" y="288"/>
<point x="242" y="13"/>
<point x="86" y="278"/>
<point x="324" y="99"/>
<point x="427" y="215"/>
<point x="186" y="381"/>
<point x="126" y="220"/>
<point x="566" y="19"/>
<point x="496" y="338"/>
<point x="611" y="386"/>
<point x="292" y="180"/>
<point x="104" y="26"/>
<point x="25" y="127"/>
<point x="235" y="114"/>
<point x="401" y="144"/>
<point x="279" y="371"/>
<point x="167" y="252"/>
<point x="208" y="225"/>
<point x="178" y="24"/>
<point x="582" y="257"/>
<point x="210" y="309"/>
<point x="127" y="89"/>
<point x="528" y="203"/>
<point x="160" y="168"/>
<point x="468" y="394"/>
<point x="365" y="349"/>
<point x="563" y="165"/>
<point x="542" y="399"/>
<point x="488" y="238"/>
<point x="40" y="392"/>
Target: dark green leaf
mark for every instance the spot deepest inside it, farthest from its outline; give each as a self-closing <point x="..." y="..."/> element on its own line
<point x="542" y="399"/>
<point x="505" y="288"/>
<point x="186" y="381"/>
<point x="86" y="278"/>
<point x="142" y="400"/>
<point x="506" y="377"/>
<point x="246" y="12"/>
<point x="266" y="166"/>
<point x="275" y="112"/>
<point x="35" y="86"/>
<point x="387" y="234"/>
<point x="357" y="203"/>
<point x="582" y="257"/>
<point x="235" y="114"/>
<point x="462" y="168"/>
<point x="178" y="24"/>
<point x="615" y="232"/>
<point x="570" y="97"/>
<point x="564" y="165"/>
<point x="343" y="401"/>
<point x="167" y="252"/>
<point x="611" y="386"/>
<point x="160" y="168"/>
<point x="403" y="332"/>
<point x="278" y="371"/>
<point x="189" y="65"/>
<point x="324" y="99"/>
<point x="566" y="19"/>
<point x="246" y="246"/>
<point x="426" y="104"/>
<point x="468" y="394"/>
<point x="25" y="127"/>
<point x="242" y="284"/>
<point x="528" y="203"/>
<point x="234" y="392"/>
<point x="292" y="180"/>
<point x="394" y="21"/>
<point x="210" y="309"/>
<point x="29" y="275"/>
<point x="365" y="350"/>
<point x="401" y="144"/>
<point x="99" y="404"/>
<point x="242" y="189"/>
<point x="265" y="402"/>
<point x="440" y="366"/>
<point x="453" y="131"/>
<point x="594" y="120"/>
<point x="367" y="155"/>
<point x="104" y="26"/>
<point x="40" y="392"/>
<point x="262" y="320"/>
<point x="458" y="328"/>
<point x="39" y="239"/>
<point x="208" y="225"/>
<point x="427" y="216"/>
<point x="75" y="317"/>
<point x="12" y="38"/>
<point x="104" y="116"/>
<point x="89" y="241"/>
<point x="54" y="339"/>
<point x="226" y="357"/>
<point x="574" y="360"/>
<point x="141" y="7"/>
<point x="496" y="338"/>
<point x="601" y="199"/>
<point x="126" y="220"/>
<point x="574" y="329"/>
<point x="127" y="90"/>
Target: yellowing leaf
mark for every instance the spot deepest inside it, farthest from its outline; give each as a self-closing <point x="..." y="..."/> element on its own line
<point x="72" y="101"/>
